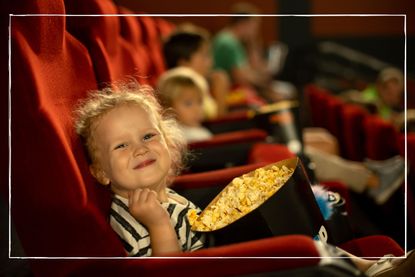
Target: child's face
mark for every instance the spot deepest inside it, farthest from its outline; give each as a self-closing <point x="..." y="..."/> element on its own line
<point x="188" y="107"/>
<point x="131" y="151"/>
<point x="201" y="60"/>
<point x="391" y="93"/>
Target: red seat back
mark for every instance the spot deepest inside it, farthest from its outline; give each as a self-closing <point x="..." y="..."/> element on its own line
<point x="381" y="138"/>
<point x="353" y="132"/>
<point x="114" y="58"/>
<point x="316" y="98"/>
<point x="55" y="203"/>
<point x="152" y="40"/>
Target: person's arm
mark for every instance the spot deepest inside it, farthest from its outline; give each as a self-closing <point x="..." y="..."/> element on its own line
<point x="245" y="75"/>
<point x="220" y="86"/>
<point x="146" y="208"/>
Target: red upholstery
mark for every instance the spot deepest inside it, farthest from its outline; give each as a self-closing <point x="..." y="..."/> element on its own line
<point x="114" y="58"/>
<point x="287" y="246"/>
<point x="55" y="206"/>
<point x="152" y="41"/>
<point x="373" y="246"/>
<point x="164" y="27"/>
<point x="334" y="119"/>
<point x="231" y="138"/>
<point x="381" y="138"/>
<point x="131" y="32"/>
<point x="316" y="98"/>
<point x="269" y="153"/>
<point x="353" y="132"/>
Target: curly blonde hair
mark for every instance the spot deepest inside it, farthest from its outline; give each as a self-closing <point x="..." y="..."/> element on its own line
<point x="99" y="102"/>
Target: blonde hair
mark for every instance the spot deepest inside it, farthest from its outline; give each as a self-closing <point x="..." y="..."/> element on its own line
<point x="98" y="103"/>
<point x="171" y="82"/>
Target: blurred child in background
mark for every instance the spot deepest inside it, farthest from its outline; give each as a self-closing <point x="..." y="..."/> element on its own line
<point x="189" y="46"/>
<point x="184" y="90"/>
<point x="384" y="98"/>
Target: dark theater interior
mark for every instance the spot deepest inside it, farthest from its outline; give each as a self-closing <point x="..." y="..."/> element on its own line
<point x="207" y="138"/>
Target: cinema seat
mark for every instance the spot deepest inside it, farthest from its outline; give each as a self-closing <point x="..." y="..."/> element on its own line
<point x="316" y="98"/>
<point x="152" y="41"/>
<point x="53" y="195"/>
<point x="381" y="138"/>
<point x="353" y="132"/>
<point x="57" y="208"/>
<point x="114" y="58"/>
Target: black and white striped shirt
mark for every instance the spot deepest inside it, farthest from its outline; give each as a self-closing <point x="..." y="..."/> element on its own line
<point x="134" y="235"/>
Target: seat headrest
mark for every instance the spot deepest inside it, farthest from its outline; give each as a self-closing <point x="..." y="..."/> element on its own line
<point x="36" y="20"/>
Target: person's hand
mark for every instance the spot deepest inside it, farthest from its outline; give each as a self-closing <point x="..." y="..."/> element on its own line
<point x="146" y="208"/>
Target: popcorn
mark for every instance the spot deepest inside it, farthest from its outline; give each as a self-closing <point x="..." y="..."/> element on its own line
<point x="241" y="196"/>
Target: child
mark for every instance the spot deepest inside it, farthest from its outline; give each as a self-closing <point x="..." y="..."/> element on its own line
<point x="182" y="89"/>
<point x="384" y="98"/>
<point x="137" y="151"/>
<point x="190" y="47"/>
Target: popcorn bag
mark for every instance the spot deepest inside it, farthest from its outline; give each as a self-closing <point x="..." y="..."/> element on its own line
<point x="270" y="201"/>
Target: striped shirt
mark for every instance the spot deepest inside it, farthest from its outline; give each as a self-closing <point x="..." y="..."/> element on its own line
<point x="134" y="235"/>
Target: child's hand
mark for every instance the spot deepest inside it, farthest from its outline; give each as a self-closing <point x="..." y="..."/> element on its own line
<point x="146" y="208"/>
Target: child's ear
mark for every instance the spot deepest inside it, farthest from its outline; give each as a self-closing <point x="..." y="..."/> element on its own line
<point x="99" y="174"/>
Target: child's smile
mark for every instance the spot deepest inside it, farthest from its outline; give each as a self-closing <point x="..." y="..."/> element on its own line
<point x="131" y="150"/>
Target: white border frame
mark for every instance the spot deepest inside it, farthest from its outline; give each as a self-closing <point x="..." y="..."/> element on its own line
<point x="206" y="15"/>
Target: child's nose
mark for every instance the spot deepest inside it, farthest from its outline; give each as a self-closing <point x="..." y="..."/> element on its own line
<point x="140" y="149"/>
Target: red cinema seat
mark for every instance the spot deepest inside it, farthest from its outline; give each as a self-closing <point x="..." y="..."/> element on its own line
<point x="56" y="206"/>
<point x="334" y="119"/>
<point x="353" y="132"/>
<point x="316" y="99"/>
<point x="152" y="40"/>
<point x="381" y="138"/>
<point x="55" y="203"/>
<point x="164" y="27"/>
<point x="114" y="58"/>
<point x="131" y="32"/>
<point x="269" y="153"/>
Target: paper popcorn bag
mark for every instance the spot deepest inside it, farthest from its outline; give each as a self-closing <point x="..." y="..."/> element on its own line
<point x="273" y="200"/>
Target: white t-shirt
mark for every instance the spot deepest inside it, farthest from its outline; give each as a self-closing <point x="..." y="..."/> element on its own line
<point x="193" y="134"/>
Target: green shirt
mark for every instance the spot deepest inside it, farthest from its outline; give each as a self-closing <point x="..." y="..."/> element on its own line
<point x="371" y="95"/>
<point x="228" y="52"/>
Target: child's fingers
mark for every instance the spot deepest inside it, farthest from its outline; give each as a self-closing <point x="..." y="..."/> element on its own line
<point x="152" y="196"/>
<point x="144" y="195"/>
<point x="134" y="196"/>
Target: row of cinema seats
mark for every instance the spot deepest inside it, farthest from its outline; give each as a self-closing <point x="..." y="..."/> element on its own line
<point x="125" y="46"/>
<point x="362" y="135"/>
<point x="56" y="207"/>
<point x="357" y="130"/>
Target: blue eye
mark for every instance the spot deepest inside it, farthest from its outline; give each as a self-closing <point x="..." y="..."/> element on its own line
<point x="120" y="146"/>
<point x="148" y="136"/>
